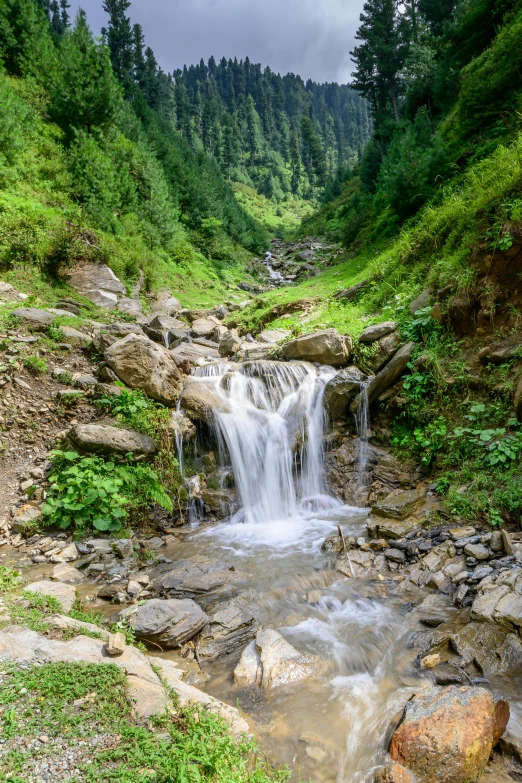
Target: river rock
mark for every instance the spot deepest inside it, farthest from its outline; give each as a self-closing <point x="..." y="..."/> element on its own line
<point x="168" y="623"/>
<point x="203" y="327"/>
<point x="141" y="364"/>
<point x="231" y="625"/>
<point x="194" y="354"/>
<point x="492" y="649"/>
<point x="25" y="518"/>
<point x="182" y="427"/>
<point x="199" y="400"/>
<point x="201" y="577"/>
<point x="399" y="504"/>
<point x="447" y="734"/>
<point x="373" y="333"/>
<point x="501" y="602"/>
<point x="63" y="572"/>
<point x="219" y="501"/>
<point x="270" y="661"/>
<point x="102" y="439"/>
<point x="342" y="390"/>
<point x="328" y="347"/>
<point x="65" y="594"/>
<point x="229" y="343"/>
<point x="37" y="319"/>
<point x="161" y="326"/>
<point x="388" y="376"/>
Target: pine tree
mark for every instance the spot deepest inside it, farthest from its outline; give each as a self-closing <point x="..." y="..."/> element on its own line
<point x="295" y="160"/>
<point x="119" y="37"/>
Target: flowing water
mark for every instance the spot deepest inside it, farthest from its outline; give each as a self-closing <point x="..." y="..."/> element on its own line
<point x="269" y="421"/>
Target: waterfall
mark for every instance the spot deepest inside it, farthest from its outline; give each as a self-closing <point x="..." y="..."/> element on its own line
<point x="362" y="424"/>
<point x="271" y="424"/>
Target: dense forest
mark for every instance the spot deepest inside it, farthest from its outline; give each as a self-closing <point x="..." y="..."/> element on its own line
<point x="272" y="132"/>
<point x="443" y="81"/>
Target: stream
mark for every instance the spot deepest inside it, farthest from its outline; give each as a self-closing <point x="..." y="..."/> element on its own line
<point x="270" y="428"/>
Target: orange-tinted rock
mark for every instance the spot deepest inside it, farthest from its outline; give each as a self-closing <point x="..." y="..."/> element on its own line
<point x="393" y="773"/>
<point x="447" y="734"/>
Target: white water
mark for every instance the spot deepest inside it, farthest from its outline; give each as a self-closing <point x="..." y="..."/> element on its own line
<point x="362" y="423"/>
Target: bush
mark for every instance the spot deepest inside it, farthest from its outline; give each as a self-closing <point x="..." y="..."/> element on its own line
<point x="36" y="364"/>
<point x="90" y="492"/>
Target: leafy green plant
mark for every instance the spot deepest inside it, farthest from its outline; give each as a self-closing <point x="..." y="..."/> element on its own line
<point x="36" y="364"/>
<point x="9" y="579"/>
<point x="422" y="325"/>
<point x="88" y="491"/>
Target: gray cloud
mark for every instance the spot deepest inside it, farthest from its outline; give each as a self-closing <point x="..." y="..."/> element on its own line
<point x="311" y="38"/>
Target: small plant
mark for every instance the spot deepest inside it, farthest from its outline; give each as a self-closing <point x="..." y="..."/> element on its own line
<point x="36" y="364"/>
<point x="89" y="492"/>
<point x="422" y="326"/>
<point x="9" y="579"/>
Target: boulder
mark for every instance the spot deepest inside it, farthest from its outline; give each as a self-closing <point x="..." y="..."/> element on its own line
<point x="168" y="623"/>
<point x="193" y="353"/>
<point x="182" y="427"/>
<point x="378" y="527"/>
<point x="203" y="327"/>
<point x="166" y="303"/>
<point x="342" y="390"/>
<point x="386" y="348"/>
<point x="67" y="574"/>
<point x="420" y="301"/>
<point x="141" y="364"/>
<point x="230" y="343"/>
<point x="98" y="283"/>
<point x="373" y="333"/>
<point x="399" y="504"/>
<point x="166" y="330"/>
<point x="271" y="661"/>
<point x="38" y="320"/>
<point x="447" y="734"/>
<point x="199" y="400"/>
<point x="74" y="334"/>
<point x="219" y="501"/>
<point x="130" y="306"/>
<point x="388" y="376"/>
<point x="65" y="594"/>
<point x="102" y="439"/>
<point x="203" y="577"/>
<point x="25" y="518"/>
<point x="328" y="347"/>
<point x="492" y="649"/>
<point x="231" y="625"/>
<point x="273" y="336"/>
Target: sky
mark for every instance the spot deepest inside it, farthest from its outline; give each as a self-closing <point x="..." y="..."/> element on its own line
<point x="312" y="38"/>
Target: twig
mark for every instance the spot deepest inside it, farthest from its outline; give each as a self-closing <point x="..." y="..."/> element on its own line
<point x="346" y="550"/>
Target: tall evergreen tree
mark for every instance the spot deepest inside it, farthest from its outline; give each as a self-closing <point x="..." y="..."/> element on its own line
<point x="119" y="37"/>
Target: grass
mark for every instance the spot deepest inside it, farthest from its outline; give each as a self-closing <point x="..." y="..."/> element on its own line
<point x="72" y="703"/>
<point x="282" y="220"/>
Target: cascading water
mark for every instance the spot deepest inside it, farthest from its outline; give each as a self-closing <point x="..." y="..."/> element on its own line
<point x="362" y="424"/>
<point x="271" y="420"/>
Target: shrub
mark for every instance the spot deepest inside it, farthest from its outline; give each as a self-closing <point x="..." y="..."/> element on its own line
<point x="36" y="364"/>
<point x="90" y="492"/>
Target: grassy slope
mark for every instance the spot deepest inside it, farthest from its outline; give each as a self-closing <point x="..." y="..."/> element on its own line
<point x="281" y="219"/>
<point x="435" y="250"/>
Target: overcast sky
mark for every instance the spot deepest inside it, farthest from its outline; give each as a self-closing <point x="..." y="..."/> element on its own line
<point x="311" y="38"/>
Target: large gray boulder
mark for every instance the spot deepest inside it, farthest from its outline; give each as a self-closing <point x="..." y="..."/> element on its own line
<point x="193" y="353"/>
<point x="273" y="335"/>
<point x="37" y="319"/>
<point x="142" y="364"/>
<point x="166" y="330"/>
<point x="98" y="283"/>
<point x="204" y="327"/>
<point x="231" y="625"/>
<point x="388" y="376"/>
<point x="64" y="593"/>
<point x="166" y="303"/>
<point x="205" y="579"/>
<point x="491" y="648"/>
<point x="229" y="343"/>
<point x="399" y="504"/>
<point x="373" y="333"/>
<point x="199" y="400"/>
<point x="168" y="623"/>
<point x="342" y="390"/>
<point x="102" y="439"/>
<point x="328" y="347"/>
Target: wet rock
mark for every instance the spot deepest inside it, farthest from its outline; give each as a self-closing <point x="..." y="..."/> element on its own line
<point x="168" y="623"/>
<point x="271" y="661"/>
<point x="439" y="556"/>
<point x="123" y="548"/>
<point x="102" y="439"/>
<point x="229" y="343"/>
<point x="141" y="364"/>
<point x="399" y="504"/>
<point x="220" y="501"/>
<point x="388" y="376"/>
<point x="373" y="333"/>
<point x="202" y="578"/>
<point x="65" y="594"/>
<point x="182" y="427"/>
<point x="328" y="347"/>
<point x="447" y="734"/>
<point x="390" y="528"/>
<point x="393" y="773"/>
<point x="66" y="573"/>
<point x="492" y="649"/>
<point x="395" y="555"/>
<point x="449" y="674"/>
<point x="342" y="390"/>
<point x="199" y="401"/>
<point x="37" y="319"/>
<point x="231" y="625"/>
